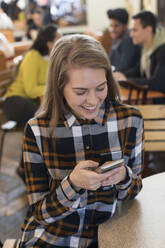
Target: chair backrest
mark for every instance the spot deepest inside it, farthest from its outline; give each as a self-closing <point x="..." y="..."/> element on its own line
<point x="103" y="37"/>
<point x="8" y="76"/>
<point x="106" y="40"/>
<point x="136" y="94"/>
<point x="5" y="80"/>
<point x="154" y="126"/>
<point x="2" y="61"/>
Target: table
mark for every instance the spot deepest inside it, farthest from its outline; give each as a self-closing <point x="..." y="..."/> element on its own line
<point x="150" y="94"/>
<point x="139" y="223"/>
<point x="21" y="46"/>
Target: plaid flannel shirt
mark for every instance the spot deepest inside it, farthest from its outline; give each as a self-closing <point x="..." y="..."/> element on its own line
<point x="58" y="215"/>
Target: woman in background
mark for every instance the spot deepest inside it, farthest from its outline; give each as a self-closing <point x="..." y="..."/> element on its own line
<point x="22" y="98"/>
<point x="24" y="95"/>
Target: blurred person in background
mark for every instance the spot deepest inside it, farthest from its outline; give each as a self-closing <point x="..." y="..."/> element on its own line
<point x="27" y="90"/>
<point x="123" y="53"/>
<point x="151" y="68"/>
<point x="37" y="18"/>
<point x="6" y="47"/>
<point x="12" y="9"/>
<point x="34" y="23"/>
<point x="5" y="21"/>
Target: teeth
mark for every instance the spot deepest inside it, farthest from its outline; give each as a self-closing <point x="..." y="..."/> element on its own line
<point x="90" y="108"/>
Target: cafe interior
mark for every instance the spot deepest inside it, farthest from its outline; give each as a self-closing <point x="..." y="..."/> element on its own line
<point x="136" y="224"/>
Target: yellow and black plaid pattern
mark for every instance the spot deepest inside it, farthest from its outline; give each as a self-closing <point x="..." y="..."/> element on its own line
<point x="59" y="216"/>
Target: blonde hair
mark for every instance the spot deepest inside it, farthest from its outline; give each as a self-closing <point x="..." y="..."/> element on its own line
<point x="73" y="51"/>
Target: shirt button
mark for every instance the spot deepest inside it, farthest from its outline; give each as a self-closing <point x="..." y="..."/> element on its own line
<point x="87" y="147"/>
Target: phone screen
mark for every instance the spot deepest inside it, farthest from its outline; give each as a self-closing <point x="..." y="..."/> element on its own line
<point x="109" y="166"/>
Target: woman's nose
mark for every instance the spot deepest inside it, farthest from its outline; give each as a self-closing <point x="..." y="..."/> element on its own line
<point x="91" y="98"/>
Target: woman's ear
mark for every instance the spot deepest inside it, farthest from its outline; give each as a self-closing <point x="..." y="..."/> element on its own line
<point x="49" y="45"/>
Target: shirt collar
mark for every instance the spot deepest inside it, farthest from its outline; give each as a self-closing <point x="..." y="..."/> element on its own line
<point x="70" y="118"/>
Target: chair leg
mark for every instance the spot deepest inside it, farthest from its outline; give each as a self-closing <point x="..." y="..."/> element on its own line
<point x="1" y="145"/>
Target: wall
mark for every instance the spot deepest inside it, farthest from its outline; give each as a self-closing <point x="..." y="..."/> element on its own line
<point x="96" y="14"/>
<point x="97" y="17"/>
<point x="150" y="5"/>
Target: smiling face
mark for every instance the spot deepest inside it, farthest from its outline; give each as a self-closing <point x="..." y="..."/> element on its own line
<point x="117" y="29"/>
<point x="139" y="34"/>
<point x="85" y="91"/>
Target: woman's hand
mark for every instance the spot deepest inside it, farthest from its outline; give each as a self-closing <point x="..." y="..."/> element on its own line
<point x="84" y="177"/>
<point x="114" y="176"/>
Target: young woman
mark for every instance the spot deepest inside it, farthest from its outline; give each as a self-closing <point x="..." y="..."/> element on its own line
<point x="80" y="125"/>
<point x="29" y="85"/>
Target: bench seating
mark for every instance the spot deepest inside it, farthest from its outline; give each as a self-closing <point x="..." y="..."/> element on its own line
<point x="154" y="132"/>
<point x="154" y="127"/>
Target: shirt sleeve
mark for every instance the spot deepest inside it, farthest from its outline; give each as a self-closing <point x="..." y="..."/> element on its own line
<point x="31" y="68"/>
<point x="134" y="151"/>
<point x="49" y="200"/>
<point x="126" y="56"/>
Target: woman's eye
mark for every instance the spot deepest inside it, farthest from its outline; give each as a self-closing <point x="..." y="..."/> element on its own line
<point x="80" y="93"/>
<point x="100" y="89"/>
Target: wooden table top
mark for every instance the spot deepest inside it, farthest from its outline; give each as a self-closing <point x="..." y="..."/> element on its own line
<point x="139" y="223"/>
<point x="22" y="43"/>
<point x="21" y="46"/>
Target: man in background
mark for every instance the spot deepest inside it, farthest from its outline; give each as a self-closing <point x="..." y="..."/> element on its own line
<point x="123" y="54"/>
<point x="151" y="69"/>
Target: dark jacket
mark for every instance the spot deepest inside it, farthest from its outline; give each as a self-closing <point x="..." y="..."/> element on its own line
<point x="126" y="55"/>
<point x="157" y="70"/>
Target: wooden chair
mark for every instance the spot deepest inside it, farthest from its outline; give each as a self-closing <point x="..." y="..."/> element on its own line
<point x="5" y="80"/>
<point x="154" y="131"/>
<point x="20" y="25"/>
<point x="137" y="94"/>
<point x="106" y="40"/>
<point x="103" y="37"/>
<point x="7" y="75"/>
<point x="3" y="64"/>
<point x="8" y="33"/>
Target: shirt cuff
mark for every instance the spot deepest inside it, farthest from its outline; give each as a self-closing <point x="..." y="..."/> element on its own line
<point x="127" y="181"/>
<point x="66" y="194"/>
<point x="77" y="189"/>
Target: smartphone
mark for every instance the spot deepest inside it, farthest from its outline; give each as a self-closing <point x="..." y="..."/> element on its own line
<point x="110" y="165"/>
